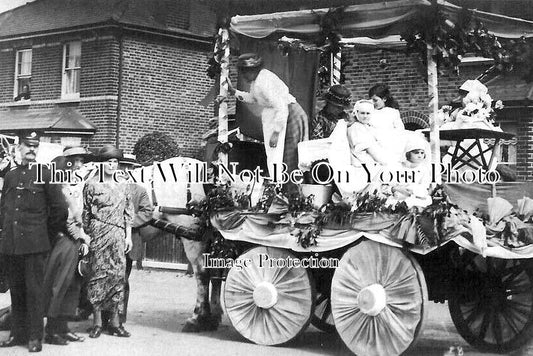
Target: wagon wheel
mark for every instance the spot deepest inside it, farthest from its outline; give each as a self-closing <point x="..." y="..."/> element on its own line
<point x="493" y="309"/>
<point x="322" y="318"/>
<point x="378" y="299"/>
<point x="268" y="305"/>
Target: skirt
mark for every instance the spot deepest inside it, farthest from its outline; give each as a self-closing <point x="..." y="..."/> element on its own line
<point x="61" y="283"/>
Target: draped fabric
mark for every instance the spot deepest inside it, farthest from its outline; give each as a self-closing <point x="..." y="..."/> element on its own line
<point x="369" y="20"/>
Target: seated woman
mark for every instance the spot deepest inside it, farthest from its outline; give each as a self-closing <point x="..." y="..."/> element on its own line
<point x="355" y="152"/>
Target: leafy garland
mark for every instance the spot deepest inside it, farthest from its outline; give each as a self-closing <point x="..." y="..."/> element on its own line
<point x="214" y="61"/>
<point x="451" y="41"/>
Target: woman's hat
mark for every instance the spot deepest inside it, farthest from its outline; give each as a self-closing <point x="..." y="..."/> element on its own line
<point x="109" y="152"/>
<point x="249" y="60"/>
<point x="339" y="95"/>
<point x="78" y="151"/>
<point x="129" y="160"/>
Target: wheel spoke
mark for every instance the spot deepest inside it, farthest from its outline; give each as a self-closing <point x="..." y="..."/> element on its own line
<point x="519" y="290"/>
<point x="484" y="325"/>
<point x="510" y="321"/>
<point x="321" y="298"/>
<point x="512" y="274"/>
<point x="326" y="313"/>
<point x="478" y="309"/>
<point x="497" y="328"/>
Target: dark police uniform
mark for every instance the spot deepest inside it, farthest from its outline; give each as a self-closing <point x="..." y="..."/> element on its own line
<point x="31" y="215"/>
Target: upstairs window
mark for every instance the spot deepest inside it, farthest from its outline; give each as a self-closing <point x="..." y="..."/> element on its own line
<point x="22" y="75"/>
<point x="71" y="70"/>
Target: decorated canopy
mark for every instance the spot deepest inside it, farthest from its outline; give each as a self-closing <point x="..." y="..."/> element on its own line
<point x="368" y="20"/>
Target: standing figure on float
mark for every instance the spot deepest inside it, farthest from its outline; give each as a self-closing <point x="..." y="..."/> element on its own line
<point x="284" y="122"/>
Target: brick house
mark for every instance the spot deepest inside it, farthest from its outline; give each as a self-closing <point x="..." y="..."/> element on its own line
<point x="107" y="71"/>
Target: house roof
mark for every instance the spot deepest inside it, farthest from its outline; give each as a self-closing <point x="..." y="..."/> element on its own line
<point x="42" y="16"/>
<point x="57" y="119"/>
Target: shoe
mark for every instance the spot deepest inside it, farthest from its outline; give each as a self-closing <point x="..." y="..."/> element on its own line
<point x="12" y="341"/>
<point x="70" y="336"/>
<point x="55" y="339"/>
<point x="118" y="331"/>
<point x="95" y="331"/>
<point x="35" y="345"/>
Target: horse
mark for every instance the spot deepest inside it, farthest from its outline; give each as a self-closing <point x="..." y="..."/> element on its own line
<point x="175" y="183"/>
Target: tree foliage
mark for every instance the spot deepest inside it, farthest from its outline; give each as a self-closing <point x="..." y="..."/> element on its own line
<point x="156" y="146"/>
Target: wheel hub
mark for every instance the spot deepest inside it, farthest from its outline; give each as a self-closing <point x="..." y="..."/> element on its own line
<point x="265" y="295"/>
<point x="372" y="299"/>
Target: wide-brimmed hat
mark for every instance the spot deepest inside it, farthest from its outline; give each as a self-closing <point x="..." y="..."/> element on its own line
<point x="78" y="151"/>
<point x="29" y="137"/>
<point x="249" y="60"/>
<point x="339" y="95"/>
<point x="109" y="152"/>
<point x="474" y="85"/>
<point x="129" y="160"/>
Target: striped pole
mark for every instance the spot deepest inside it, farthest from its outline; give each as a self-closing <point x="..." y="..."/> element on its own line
<point x="433" y="93"/>
<point x="335" y="60"/>
<point x="224" y="77"/>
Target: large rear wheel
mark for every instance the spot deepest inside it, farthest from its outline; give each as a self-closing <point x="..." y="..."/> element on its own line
<point x="492" y="304"/>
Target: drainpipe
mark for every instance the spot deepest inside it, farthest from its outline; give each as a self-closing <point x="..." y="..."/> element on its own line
<point x="119" y="96"/>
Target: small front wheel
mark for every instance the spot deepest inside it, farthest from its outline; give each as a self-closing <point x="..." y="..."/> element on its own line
<point x="268" y="305"/>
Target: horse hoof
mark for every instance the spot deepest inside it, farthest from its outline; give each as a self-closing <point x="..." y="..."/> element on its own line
<point x="210" y="323"/>
<point x="190" y="328"/>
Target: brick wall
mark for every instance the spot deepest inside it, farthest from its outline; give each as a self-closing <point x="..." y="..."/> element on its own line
<point x="202" y="19"/>
<point x="163" y="82"/>
<point x="524" y="148"/>
<point x="403" y="74"/>
<point x="98" y="78"/>
<point x="7" y="75"/>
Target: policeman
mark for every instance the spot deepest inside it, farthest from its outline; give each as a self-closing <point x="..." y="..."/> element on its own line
<point x="32" y="213"/>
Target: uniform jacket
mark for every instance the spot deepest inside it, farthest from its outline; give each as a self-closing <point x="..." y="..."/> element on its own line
<point x="31" y="214"/>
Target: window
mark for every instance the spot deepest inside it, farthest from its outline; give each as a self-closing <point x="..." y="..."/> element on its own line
<point x="71" y="70"/>
<point x="22" y="75"/>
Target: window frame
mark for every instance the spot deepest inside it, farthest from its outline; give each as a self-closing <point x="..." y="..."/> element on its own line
<point x="64" y="70"/>
<point x="19" y="76"/>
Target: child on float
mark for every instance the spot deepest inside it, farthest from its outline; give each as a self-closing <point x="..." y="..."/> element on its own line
<point x="387" y="122"/>
<point x="386" y="115"/>
<point x="355" y="150"/>
<point x="416" y="169"/>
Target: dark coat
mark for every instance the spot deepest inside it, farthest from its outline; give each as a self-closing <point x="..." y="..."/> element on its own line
<point x="143" y="214"/>
<point x="31" y="214"/>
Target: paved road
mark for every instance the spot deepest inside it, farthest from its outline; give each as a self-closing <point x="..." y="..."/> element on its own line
<point x="161" y="301"/>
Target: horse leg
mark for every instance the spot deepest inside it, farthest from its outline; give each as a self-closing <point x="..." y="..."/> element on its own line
<point x="216" y="307"/>
<point x="194" y="251"/>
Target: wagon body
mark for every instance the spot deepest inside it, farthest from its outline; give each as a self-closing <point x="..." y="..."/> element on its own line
<point x="376" y="296"/>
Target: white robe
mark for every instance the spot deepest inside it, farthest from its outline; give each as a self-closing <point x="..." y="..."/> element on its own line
<point x="270" y="93"/>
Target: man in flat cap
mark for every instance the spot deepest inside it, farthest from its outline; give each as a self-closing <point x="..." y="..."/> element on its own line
<point x="32" y="214"/>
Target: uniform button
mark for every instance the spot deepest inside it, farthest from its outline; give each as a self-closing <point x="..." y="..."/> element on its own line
<point x="18" y="196"/>
<point x="16" y="209"/>
<point x="23" y="172"/>
<point x="14" y="222"/>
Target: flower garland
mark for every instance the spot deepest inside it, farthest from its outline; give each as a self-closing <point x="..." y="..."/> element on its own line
<point x="451" y="41"/>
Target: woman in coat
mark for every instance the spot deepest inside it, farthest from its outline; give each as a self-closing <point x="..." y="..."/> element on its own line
<point x="62" y="284"/>
<point x="107" y="216"/>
